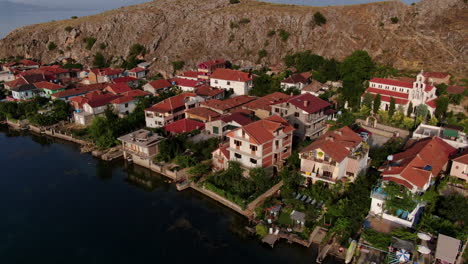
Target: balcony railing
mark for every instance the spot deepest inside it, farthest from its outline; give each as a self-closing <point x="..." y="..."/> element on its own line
<point x="319" y="176"/>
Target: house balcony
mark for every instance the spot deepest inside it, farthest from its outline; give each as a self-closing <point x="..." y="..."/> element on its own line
<point x="318" y="177"/>
<point x="250" y="154"/>
<point x="322" y="161"/>
<point x="315" y="119"/>
<point x="142" y="155"/>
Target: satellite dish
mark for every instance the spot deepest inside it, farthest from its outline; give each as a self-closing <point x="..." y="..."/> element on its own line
<point x="390" y="157"/>
<point x="339" y="113"/>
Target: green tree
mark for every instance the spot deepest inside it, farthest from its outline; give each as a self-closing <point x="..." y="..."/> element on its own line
<point x="178" y="65"/>
<point x="442" y="104"/>
<point x="284" y="35"/>
<point x="136" y="50"/>
<point x="51" y="46"/>
<point x="391" y="109"/>
<point x="394" y="20"/>
<point x="453" y="207"/>
<point x="319" y="19"/>
<point x="410" y="109"/>
<point x="234" y="2"/>
<point x="262" y="53"/>
<point x="68" y="28"/>
<point x="377" y="102"/>
<point x="422" y="111"/>
<point x="368" y="100"/>
<point x="99" y="60"/>
<point x="89" y="42"/>
<point x="441" y="89"/>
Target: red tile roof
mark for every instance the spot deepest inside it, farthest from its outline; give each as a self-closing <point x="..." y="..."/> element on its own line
<point x="110" y="72"/>
<point x="387" y="92"/>
<point x="392" y="82"/>
<point x="29" y="63"/>
<point x="265" y="101"/>
<point x="48" y="86"/>
<point x="160" y="84"/>
<point x="231" y="75"/>
<point x="224" y="105"/>
<point x="237" y="117"/>
<point x="410" y="163"/>
<point x="298" y="78"/>
<point x="137" y="69"/>
<point x="124" y="79"/>
<point x="184" y="82"/>
<point x="136" y="93"/>
<point x="170" y="103"/>
<point x="208" y="91"/>
<point x="16" y="83"/>
<point x="428" y="88"/>
<point x="462" y="159"/>
<point x="202" y="112"/>
<point x="438" y="75"/>
<point x="189" y="74"/>
<point x="184" y="126"/>
<point x="211" y="63"/>
<point x="80" y="90"/>
<point x="455" y="89"/>
<point x="55" y="69"/>
<point x="432" y="103"/>
<point x="307" y="102"/>
<point x="400" y="101"/>
<point x="338" y="144"/>
<point x="263" y="131"/>
<point x="314" y="87"/>
<point x="101" y="100"/>
<point x="123" y="100"/>
<point x="118" y="88"/>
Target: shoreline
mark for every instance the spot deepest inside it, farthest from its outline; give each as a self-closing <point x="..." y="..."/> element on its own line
<point x="248" y="212"/>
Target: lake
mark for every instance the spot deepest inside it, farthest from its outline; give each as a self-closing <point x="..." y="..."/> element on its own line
<point x="60" y="206"/>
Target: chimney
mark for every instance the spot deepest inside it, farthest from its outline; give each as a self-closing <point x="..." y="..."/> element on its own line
<point x="329" y="138"/>
<point x="306" y="103"/>
<point x="209" y="118"/>
<point x="338" y="132"/>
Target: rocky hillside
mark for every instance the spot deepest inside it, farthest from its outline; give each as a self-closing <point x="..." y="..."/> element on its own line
<point x="430" y="35"/>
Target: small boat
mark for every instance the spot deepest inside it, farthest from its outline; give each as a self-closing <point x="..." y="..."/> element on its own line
<point x="350" y="252"/>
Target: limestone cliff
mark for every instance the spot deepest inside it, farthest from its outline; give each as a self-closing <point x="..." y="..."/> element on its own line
<point x="430" y="35"/>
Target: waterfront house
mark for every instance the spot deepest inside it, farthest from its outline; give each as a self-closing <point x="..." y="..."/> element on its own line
<point x="228" y="105"/>
<point x="208" y="92"/>
<point x="307" y="113"/>
<point x="117" y="88"/>
<point x="263" y="143"/>
<point x="453" y="135"/>
<point x="171" y="109"/>
<point x="420" y="91"/>
<point x="137" y="72"/>
<point x="206" y="68"/>
<point x="459" y="167"/>
<point x="49" y="88"/>
<point x="337" y="155"/>
<point x="221" y="157"/>
<point x="298" y="218"/>
<point x="221" y="125"/>
<point x="25" y="92"/>
<point x="448" y="250"/>
<point x="141" y="146"/>
<point x="189" y="75"/>
<point x="413" y="170"/>
<point x="236" y="82"/>
<point x="184" y="126"/>
<point x="155" y="87"/>
<point x="93" y="107"/>
<point x="262" y="106"/>
<point x="124" y="105"/>
<point x="296" y="80"/>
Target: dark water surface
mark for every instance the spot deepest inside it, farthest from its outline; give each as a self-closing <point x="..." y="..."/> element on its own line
<point x="59" y="206"/>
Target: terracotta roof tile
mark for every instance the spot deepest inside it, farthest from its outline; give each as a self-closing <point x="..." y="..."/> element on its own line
<point x="160" y="84"/>
<point x="266" y="101"/>
<point x="387" y="92"/>
<point x="392" y="82"/>
<point x="124" y="79"/>
<point x="231" y="75"/>
<point x="307" y="102"/>
<point x="118" y="88"/>
<point x="456" y="89"/>
<point x="264" y="130"/>
<point x="48" y="86"/>
<point x="208" y="91"/>
<point x="170" y="103"/>
<point x="228" y="104"/>
<point x="298" y="78"/>
<point x="184" y="126"/>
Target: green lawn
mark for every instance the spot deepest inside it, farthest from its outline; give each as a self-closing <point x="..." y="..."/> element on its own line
<point x="284" y="219"/>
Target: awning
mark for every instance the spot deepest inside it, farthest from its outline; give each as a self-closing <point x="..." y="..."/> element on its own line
<point x="450" y="133"/>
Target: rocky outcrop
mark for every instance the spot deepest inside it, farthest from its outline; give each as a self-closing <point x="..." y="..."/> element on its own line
<point x="429" y="35"/>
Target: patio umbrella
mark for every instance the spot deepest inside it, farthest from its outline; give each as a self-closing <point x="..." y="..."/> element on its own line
<point x="423" y="250"/>
<point x="424" y="236"/>
<point x="403" y="255"/>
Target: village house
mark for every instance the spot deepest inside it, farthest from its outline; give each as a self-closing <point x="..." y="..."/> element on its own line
<point x="208" y="92"/>
<point x="338" y="155"/>
<point x="117" y="88"/>
<point x="205" y="69"/>
<point x="296" y="80"/>
<point x="124" y="105"/>
<point x="93" y="107"/>
<point x="141" y="147"/>
<point x="315" y="88"/>
<point x="448" y="250"/>
<point x="262" y="106"/>
<point x="307" y="113"/>
<point x="185" y="85"/>
<point x="221" y="125"/>
<point x="263" y="143"/>
<point x="228" y="105"/>
<point x="183" y="126"/>
<point x="6" y="76"/>
<point x="49" y="88"/>
<point x="78" y="91"/>
<point x="103" y="75"/>
<point x="189" y="75"/>
<point x="435" y="78"/>
<point x="201" y="114"/>
<point x="130" y="81"/>
<point x="25" y="92"/>
<point x="137" y="72"/>
<point x="236" y="82"/>
<point x="155" y="87"/>
<point x="459" y="166"/>
<point x="404" y="92"/>
<point x="414" y="169"/>
<point x="171" y="109"/>
<point x="452" y="135"/>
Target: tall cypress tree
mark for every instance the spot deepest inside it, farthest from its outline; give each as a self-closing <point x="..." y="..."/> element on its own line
<point x="410" y="109"/>
<point x="391" y="109"/>
<point x="377" y="102"/>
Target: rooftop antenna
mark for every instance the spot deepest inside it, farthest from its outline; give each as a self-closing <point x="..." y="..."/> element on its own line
<point x="389" y="159"/>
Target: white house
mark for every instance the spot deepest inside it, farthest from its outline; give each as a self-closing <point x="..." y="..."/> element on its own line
<point x="237" y="82"/>
<point x="124" y="105"/>
<point x="93" y="107"/>
<point x="453" y="136"/>
<point x="297" y="80"/>
<point x="6" y="76"/>
<point x="25" y="92"/>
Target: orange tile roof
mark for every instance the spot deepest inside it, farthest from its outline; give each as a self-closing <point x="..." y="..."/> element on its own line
<point x="265" y="101"/>
<point x="410" y="163"/>
<point x="160" y="84"/>
<point x="336" y="143"/>
<point x="123" y="100"/>
<point x="263" y="131"/>
<point x="137" y="69"/>
<point x="462" y="159"/>
<point x="227" y="104"/>
<point x="231" y="75"/>
<point x="136" y="93"/>
<point x="438" y="75"/>
<point x="298" y="78"/>
<point x="170" y="103"/>
<point x="118" y="88"/>
<point x="203" y="112"/>
<point x="184" y="126"/>
<point x="206" y="90"/>
<point x="307" y="102"/>
<point x="48" y="86"/>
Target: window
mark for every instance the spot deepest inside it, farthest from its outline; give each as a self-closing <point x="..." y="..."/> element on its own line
<point x="243" y="133"/>
<point x="215" y="130"/>
<point x="237" y="143"/>
<point x="276" y="143"/>
<point x="228" y="83"/>
<point x="216" y="81"/>
<point x="296" y="114"/>
<point x="238" y="156"/>
<point x="296" y="126"/>
<point x="253" y="161"/>
<point x="276" y="110"/>
<point x="253" y="148"/>
<point x="126" y="105"/>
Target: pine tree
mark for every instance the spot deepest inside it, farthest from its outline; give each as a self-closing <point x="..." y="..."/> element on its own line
<point x="391" y="110"/>
<point x="377" y="102"/>
<point x="410" y="109"/>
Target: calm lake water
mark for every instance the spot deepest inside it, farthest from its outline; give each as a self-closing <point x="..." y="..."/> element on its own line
<point x="59" y="206"/>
